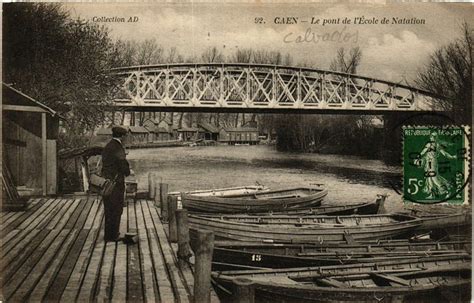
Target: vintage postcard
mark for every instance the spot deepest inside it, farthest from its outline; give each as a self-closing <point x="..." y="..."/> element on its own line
<point x="236" y="152"/>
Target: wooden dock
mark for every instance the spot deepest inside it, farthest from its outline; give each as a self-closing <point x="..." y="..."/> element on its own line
<point x="54" y="251"/>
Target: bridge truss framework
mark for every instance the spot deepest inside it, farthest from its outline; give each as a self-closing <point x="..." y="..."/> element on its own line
<point x="259" y="87"/>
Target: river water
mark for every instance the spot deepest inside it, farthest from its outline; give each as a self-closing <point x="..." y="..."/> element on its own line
<point x="348" y="179"/>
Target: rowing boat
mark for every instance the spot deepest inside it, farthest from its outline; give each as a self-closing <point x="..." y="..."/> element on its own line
<point x="326" y="208"/>
<point x="261" y="201"/>
<point x="225" y="191"/>
<point x="302" y="229"/>
<point x="445" y="221"/>
<point x="375" y="282"/>
<point x="235" y="255"/>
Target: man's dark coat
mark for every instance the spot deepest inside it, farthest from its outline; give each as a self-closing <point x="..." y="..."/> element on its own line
<point x="114" y="166"/>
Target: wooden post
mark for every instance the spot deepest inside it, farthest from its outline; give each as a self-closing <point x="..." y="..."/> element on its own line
<point x="157" y="197"/>
<point x="203" y="248"/>
<point x="163" y="196"/>
<point x="183" y="237"/>
<point x="164" y="209"/>
<point x="150" y="186"/>
<point x="172" y="207"/>
<point x="154" y="192"/>
<point x="44" y="164"/>
<point x="381" y="204"/>
<point x="52" y="165"/>
<point x="243" y="291"/>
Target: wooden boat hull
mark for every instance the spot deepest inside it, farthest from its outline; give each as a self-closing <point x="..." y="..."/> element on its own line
<point x="307" y="229"/>
<point x="394" y="245"/>
<point x="274" y="292"/>
<point x="363" y="208"/>
<point x="387" y="266"/>
<point x="222" y="192"/>
<point x="355" y="283"/>
<point x="265" y="201"/>
<point x="445" y="221"/>
<point x="286" y="256"/>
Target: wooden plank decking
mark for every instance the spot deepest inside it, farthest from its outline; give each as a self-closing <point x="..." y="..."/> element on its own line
<point x="54" y="252"/>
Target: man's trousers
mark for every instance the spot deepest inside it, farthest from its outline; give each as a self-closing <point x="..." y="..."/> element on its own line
<point x="113" y="207"/>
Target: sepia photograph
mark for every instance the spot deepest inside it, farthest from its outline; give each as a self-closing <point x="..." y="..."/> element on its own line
<point x="257" y="151"/>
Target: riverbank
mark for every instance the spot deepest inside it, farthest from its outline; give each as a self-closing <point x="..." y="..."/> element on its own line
<point x="157" y="144"/>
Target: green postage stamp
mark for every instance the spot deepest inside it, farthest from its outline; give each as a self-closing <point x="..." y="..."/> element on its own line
<point x="436" y="165"/>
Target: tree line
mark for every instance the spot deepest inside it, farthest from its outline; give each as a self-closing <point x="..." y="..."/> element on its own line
<point x="63" y="62"/>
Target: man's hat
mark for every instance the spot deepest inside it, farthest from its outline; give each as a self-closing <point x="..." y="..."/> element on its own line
<point x="118" y="131"/>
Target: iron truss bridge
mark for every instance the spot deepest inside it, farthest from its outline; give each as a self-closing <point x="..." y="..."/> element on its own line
<point x="261" y="88"/>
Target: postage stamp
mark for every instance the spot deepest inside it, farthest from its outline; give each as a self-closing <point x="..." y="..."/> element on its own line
<point x="436" y="164"/>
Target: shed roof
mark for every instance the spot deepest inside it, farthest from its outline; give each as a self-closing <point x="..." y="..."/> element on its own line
<point x="138" y="129"/>
<point x="12" y="96"/>
<point x="210" y="128"/>
<point x="166" y="120"/>
<point x="152" y="120"/>
<point x="150" y="128"/>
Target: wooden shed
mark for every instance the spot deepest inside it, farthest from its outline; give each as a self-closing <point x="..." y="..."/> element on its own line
<point x="138" y="134"/>
<point x="151" y="125"/>
<point x="30" y="133"/>
<point x="239" y="135"/>
<point x="208" y="131"/>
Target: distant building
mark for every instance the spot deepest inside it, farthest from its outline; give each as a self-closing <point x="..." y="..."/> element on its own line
<point x="208" y="131"/>
<point x="158" y="131"/>
<point x="166" y="124"/>
<point x="151" y="125"/>
<point x="162" y="134"/>
<point x="137" y="134"/>
<point x="239" y="135"/>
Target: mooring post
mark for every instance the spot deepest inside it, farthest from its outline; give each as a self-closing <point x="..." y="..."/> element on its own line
<point x="157" y="198"/>
<point x="150" y="185"/>
<point x="172" y="207"/>
<point x="165" y="210"/>
<point x="381" y="204"/>
<point x="153" y="192"/>
<point x="203" y="248"/>
<point x="183" y="237"/>
<point x="163" y="196"/>
<point x="243" y="291"/>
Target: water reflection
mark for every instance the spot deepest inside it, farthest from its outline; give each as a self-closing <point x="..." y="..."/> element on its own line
<point x="185" y="168"/>
<point x="348" y="174"/>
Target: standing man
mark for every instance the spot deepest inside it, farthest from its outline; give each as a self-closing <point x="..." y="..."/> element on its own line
<point x="114" y="166"/>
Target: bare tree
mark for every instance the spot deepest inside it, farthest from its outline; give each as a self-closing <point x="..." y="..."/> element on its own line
<point x="212" y="54"/>
<point x="448" y="73"/>
<point x="149" y="52"/>
<point x="241" y="56"/>
<point x="173" y="56"/>
<point x="346" y="63"/>
<point x="124" y="53"/>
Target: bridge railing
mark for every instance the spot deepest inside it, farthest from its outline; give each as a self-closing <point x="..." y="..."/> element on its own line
<point x="262" y="86"/>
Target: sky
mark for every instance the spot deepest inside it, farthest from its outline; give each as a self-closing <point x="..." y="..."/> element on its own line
<point x="392" y="52"/>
